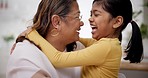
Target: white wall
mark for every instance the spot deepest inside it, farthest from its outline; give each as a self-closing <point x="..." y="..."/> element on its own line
<point x="85" y="7"/>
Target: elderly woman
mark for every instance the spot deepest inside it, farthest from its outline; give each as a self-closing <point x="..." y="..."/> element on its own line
<point x="59" y="22"/>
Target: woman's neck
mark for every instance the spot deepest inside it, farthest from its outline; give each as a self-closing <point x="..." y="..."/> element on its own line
<point x="57" y="43"/>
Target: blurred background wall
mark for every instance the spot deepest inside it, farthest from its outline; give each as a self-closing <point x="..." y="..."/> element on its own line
<point x="16" y="15"/>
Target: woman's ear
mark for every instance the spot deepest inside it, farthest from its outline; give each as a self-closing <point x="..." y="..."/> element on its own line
<point x="55" y="20"/>
<point x="118" y="22"/>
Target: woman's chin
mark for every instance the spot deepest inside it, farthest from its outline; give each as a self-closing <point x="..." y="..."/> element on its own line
<point x="77" y="39"/>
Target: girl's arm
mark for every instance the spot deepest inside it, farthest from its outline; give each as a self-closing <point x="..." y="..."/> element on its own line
<point x="87" y="41"/>
<point x="93" y="55"/>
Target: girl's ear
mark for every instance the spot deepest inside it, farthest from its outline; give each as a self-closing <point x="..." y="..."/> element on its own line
<point x="118" y="22"/>
<point x="55" y="20"/>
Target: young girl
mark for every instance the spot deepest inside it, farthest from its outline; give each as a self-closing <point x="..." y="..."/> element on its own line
<point x="102" y="57"/>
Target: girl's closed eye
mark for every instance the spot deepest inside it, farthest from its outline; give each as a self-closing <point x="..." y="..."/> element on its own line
<point x="97" y="14"/>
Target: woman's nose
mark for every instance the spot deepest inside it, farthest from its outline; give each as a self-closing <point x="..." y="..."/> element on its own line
<point x="81" y="23"/>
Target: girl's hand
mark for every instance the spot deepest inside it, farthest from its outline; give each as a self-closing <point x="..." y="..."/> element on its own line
<point x="24" y="33"/>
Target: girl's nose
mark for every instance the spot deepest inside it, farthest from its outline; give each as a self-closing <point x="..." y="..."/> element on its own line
<point x="90" y="19"/>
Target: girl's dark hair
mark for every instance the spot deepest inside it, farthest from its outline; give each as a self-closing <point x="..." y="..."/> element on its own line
<point x="134" y="49"/>
<point x="123" y="8"/>
<point x="47" y="8"/>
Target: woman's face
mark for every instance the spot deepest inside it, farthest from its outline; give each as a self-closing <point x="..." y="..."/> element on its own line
<point x="72" y="24"/>
<point x="101" y="22"/>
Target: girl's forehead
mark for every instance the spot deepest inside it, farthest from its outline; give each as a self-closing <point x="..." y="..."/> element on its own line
<point x="97" y="7"/>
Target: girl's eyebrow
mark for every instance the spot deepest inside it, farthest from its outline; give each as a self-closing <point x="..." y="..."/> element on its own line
<point x="97" y="11"/>
<point x="93" y="11"/>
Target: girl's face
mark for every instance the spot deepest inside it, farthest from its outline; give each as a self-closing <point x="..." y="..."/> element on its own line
<point x="101" y="22"/>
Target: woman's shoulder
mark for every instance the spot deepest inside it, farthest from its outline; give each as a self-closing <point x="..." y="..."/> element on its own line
<point x="25" y="50"/>
<point x="26" y="47"/>
<point x="29" y="56"/>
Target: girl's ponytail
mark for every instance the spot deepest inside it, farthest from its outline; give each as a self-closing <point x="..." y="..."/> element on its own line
<point x="134" y="49"/>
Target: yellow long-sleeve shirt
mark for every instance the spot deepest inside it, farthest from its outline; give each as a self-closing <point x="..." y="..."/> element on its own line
<point x="100" y="60"/>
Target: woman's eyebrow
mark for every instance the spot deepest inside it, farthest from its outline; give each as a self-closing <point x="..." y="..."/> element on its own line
<point x="77" y="12"/>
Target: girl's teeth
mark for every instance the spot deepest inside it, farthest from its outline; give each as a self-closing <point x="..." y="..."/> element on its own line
<point x="94" y="27"/>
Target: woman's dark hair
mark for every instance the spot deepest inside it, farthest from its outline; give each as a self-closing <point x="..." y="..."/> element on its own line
<point x="123" y="8"/>
<point x="47" y="8"/>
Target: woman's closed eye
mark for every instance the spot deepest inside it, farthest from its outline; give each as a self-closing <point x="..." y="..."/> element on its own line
<point x="78" y="17"/>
